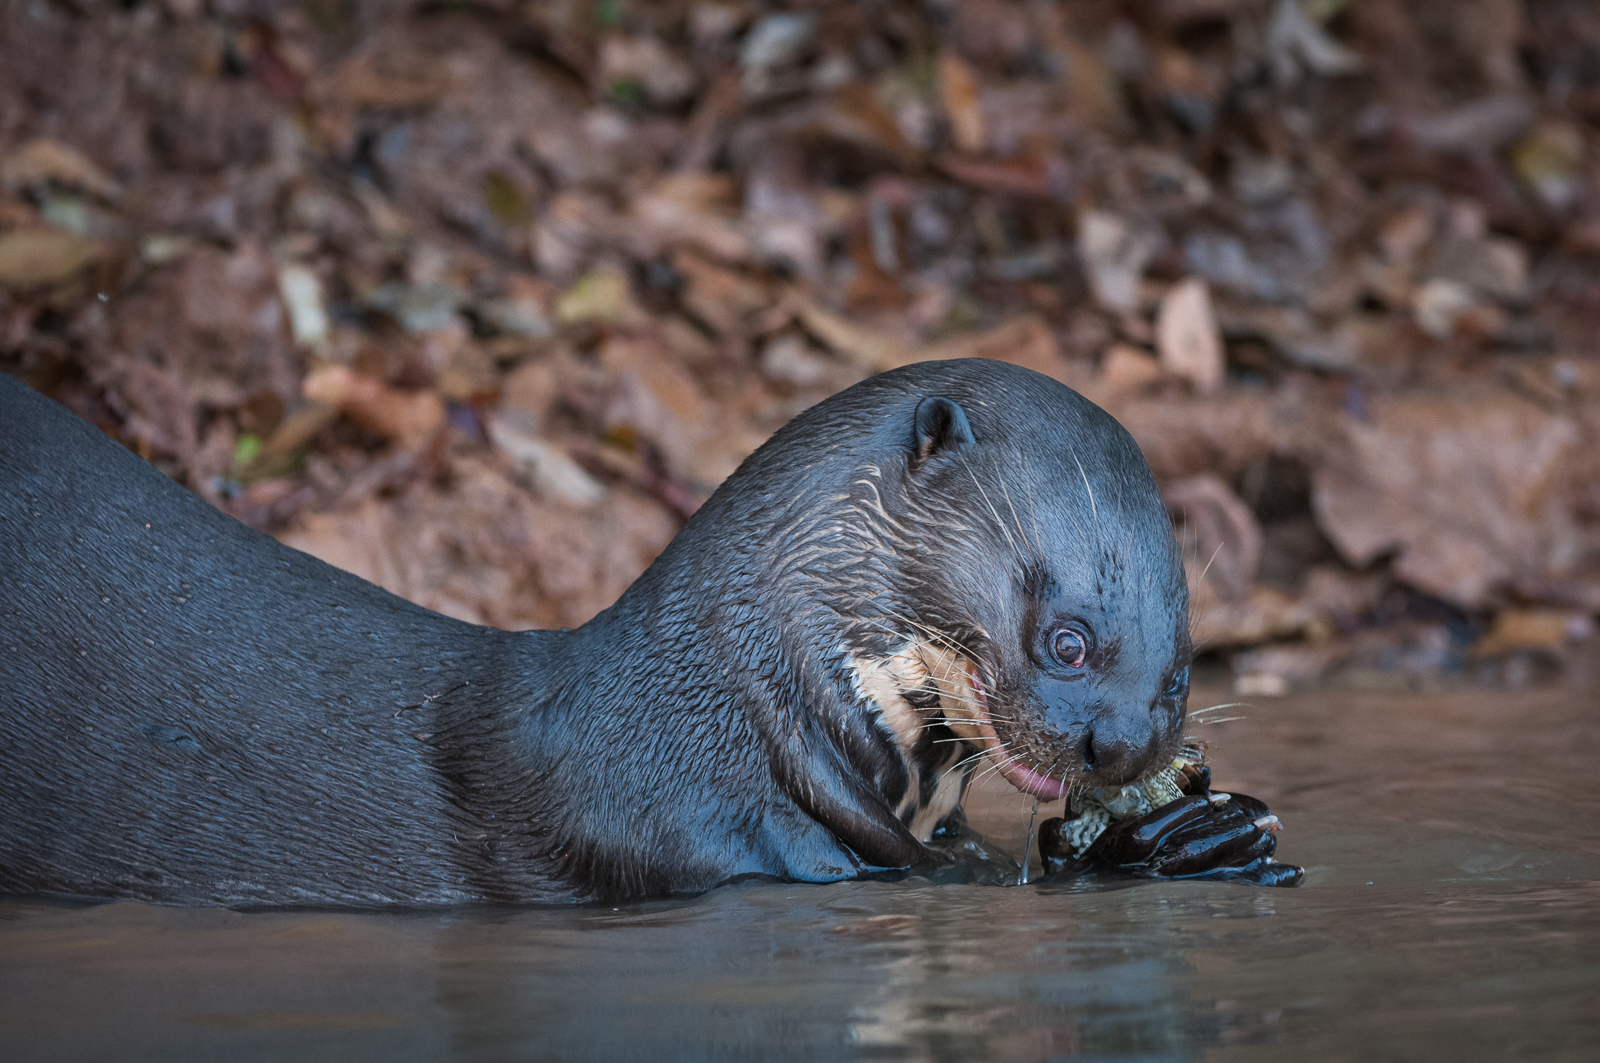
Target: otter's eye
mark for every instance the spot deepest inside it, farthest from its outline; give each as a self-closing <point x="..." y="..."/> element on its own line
<point x="1070" y="646"/>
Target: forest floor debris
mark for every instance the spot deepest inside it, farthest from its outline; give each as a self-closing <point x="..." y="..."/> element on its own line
<point x="482" y="300"/>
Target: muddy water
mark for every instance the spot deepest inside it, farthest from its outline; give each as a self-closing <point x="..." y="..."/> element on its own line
<point x="1451" y="910"/>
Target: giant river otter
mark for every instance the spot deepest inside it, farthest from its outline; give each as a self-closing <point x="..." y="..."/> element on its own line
<point x="950" y="565"/>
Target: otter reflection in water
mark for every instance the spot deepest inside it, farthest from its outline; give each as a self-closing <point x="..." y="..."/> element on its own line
<point x="952" y="567"/>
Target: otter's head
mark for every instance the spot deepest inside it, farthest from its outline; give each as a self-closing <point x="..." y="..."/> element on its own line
<point x="1034" y="601"/>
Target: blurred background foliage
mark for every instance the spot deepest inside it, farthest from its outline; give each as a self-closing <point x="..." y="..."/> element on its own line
<point x="481" y="299"/>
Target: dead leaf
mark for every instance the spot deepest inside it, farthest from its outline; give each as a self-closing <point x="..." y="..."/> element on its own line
<point x="777" y="40"/>
<point x="721" y="298"/>
<point x="1225" y="535"/>
<point x="860" y="345"/>
<point x="695" y="209"/>
<point x="958" y="93"/>
<point x="387" y="76"/>
<point x="1187" y="339"/>
<point x="1491" y="267"/>
<point x="1027" y="175"/>
<point x="1491" y="122"/>
<point x="297" y="430"/>
<point x="849" y="120"/>
<point x="789" y="359"/>
<point x="1295" y="42"/>
<point x="664" y="78"/>
<point x="1550" y="162"/>
<point x="302" y="294"/>
<point x="37" y="258"/>
<point x="655" y="398"/>
<point x="528" y="394"/>
<point x="481" y="549"/>
<point x="1026" y="341"/>
<point x="1532" y="629"/>
<point x="45" y="160"/>
<point x="1265" y="613"/>
<point x="603" y="296"/>
<point x="525" y="309"/>
<point x="1185" y="435"/>
<point x="551" y="470"/>
<point x="1114" y="255"/>
<point x="1405" y="233"/>
<point x="407" y="417"/>
<point x="1125" y="367"/>
<point x="1468" y="488"/>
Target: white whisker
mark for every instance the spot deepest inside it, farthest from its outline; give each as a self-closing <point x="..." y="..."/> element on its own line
<point x="994" y="512"/>
<point x="1093" y="508"/>
<point x="1226" y="705"/>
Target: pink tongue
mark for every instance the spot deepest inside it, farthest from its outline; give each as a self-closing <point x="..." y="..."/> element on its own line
<point x="1025" y="779"/>
<point x="1031" y="782"/>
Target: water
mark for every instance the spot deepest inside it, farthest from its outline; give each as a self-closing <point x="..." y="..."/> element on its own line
<point x="1451" y="910"/>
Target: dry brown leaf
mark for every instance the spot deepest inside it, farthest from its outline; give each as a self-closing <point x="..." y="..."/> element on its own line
<point x="1532" y="629"/>
<point x="1405" y="233"/>
<point x="1221" y="535"/>
<point x="36" y="258"/>
<point x="1223" y="433"/>
<point x="389" y="77"/>
<point x="1024" y="176"/>
<point x="1026" y="341"/>
<point x="853" y="119"/>
<point x="552" y="472"/>
<point x="299" y="429"/>
<point x="1469" y="489"/>
<point x="958" y="93"/>
<point x="644" y="61"/>
<point x="407" y="417"/>
<point x="528" y="394"/>
<point x="482" y="549"/>
<point x="44" y="159"/>
<point x="1114" y="255"/>
<point x="695" y="209"/>
<point x="1187" y="339"/>
<point x="866" y="347"/>
<point x="1265" y="613"/>
<point x="719" y="297"/>
<point x="602" y="295"/>
<point x="655" y="398"/>
<point x="1125" y="367"/>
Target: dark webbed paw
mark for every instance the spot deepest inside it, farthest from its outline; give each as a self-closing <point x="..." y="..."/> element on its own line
<point x="1216" y="836"/>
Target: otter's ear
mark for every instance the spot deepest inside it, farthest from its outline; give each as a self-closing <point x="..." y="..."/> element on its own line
<point x="939" y="425"/>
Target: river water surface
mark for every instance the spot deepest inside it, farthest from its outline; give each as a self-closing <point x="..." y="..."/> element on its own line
<point x="1451" y="911"/>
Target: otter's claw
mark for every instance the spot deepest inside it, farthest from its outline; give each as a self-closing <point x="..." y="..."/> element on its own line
<point x="1226" y="837"/>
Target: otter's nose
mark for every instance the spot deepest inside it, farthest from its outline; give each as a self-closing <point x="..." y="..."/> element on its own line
<point x="1117" y="749"/>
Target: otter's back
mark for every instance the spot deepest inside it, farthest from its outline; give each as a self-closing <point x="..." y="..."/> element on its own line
<point x="189" y="710"/>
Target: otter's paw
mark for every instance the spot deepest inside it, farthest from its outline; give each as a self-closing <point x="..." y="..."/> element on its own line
<point x="1219" y="836"/>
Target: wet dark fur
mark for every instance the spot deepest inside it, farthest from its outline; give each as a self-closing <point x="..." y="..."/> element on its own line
<point x="191" y="712"/>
